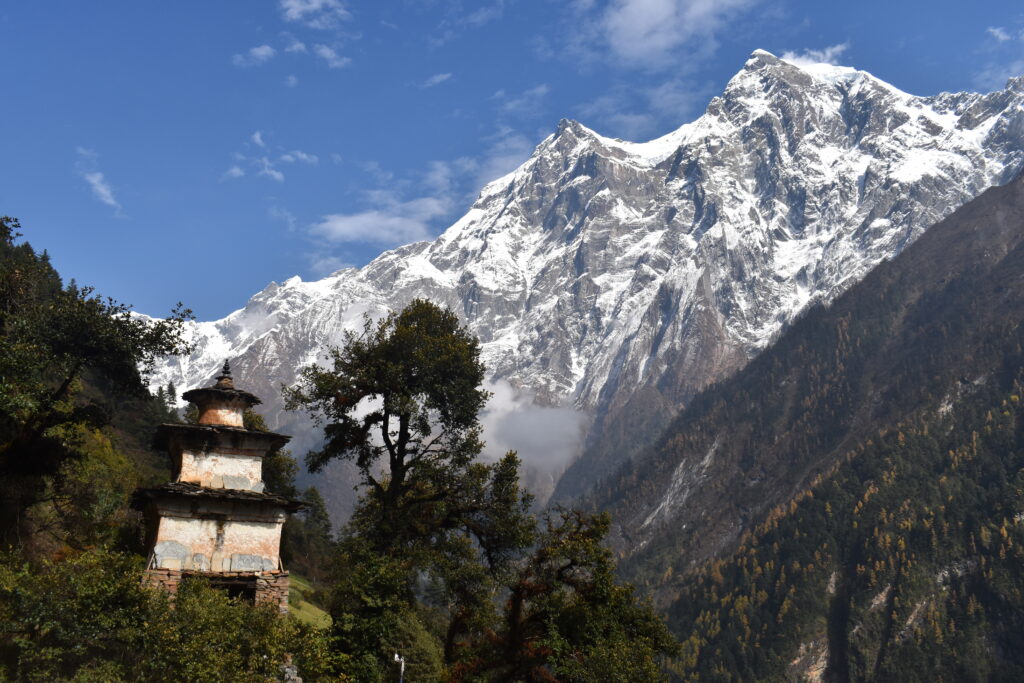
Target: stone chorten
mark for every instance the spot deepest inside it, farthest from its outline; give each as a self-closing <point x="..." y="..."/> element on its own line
<point x="215" y="520"/>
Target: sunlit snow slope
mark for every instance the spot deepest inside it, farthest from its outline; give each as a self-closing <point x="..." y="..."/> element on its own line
<point x="618" y="278"/>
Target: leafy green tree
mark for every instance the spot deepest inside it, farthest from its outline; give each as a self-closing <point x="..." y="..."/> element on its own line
<point x="88" y="617"/>
<point x="567" y="619"/>
<point x="439" y="537"/>
<point x="52" y="338"/>
<point x="405" y="394"/>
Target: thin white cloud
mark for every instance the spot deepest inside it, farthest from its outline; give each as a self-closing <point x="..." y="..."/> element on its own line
<point x="417" y="208"/>
<point x="436" y="79"/>
<point x="678" y="99"/>
<point x="267" y="170"/>
<point x="828" y="55"/>
<point x="393" y="224"/>
<point x="291" y="81"/>
<point x="461" y="179"/>
<point x="254" y="57"/>
<point x="285" y="216"/>
<point x="615" y="114"/>
<point x="440" y="177"/>
<point x="94" y="178"/>
<point x="233" y="173"/>
<point x="321" y="14"/>
<point x="329" y="55"/>
<point x="638" y="113"/>
<point x="547" y="438"/>
<point x="486" y="14"/>
<point x="526" y="104"/>
<point x="999" y="33"/>
<point x="1005" y="60"/>
<point x="453" y="26"/>
<point x="507" y="150"/>
<point x="297" y="155"/>
<point x="325" y="264"/>
<point x="379" y="174"/>
<point x="259" y="157"/>
<point x="101" y="189"/>
<point x="994" y="76"/>
<point x="294" y="44"/>
<point x="651" y="33"/>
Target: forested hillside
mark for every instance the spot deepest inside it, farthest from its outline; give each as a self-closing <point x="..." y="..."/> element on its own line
<point x="76" y="426"/>
<point x="856" y="489"/>
<point x="905" y="564"/>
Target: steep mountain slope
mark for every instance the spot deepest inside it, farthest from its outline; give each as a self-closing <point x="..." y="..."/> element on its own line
<point x="880" y="446"/>
<point x="915" y="337"/>
<point x="619" y="278"/>
<point x="904" y="566"/>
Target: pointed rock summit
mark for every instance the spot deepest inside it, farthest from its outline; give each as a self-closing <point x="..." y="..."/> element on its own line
<point x="617" y="279"/>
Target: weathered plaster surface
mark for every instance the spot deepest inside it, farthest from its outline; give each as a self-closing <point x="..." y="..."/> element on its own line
<point x="217" y="545"/>
<point x="222" y="470"/>
<point x="228" y="414"/>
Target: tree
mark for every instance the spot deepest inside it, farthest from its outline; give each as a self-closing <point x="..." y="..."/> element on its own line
<point x="438" y="537"/>
<point x="567" y="619"/>
<point x="52" y="339"/>
<point x="404" y="394"/>
<point x="401" y="400"/>
<point x="88" y="617"/>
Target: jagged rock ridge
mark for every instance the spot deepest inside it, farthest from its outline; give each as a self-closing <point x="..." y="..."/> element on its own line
<point x="620" y="278"/>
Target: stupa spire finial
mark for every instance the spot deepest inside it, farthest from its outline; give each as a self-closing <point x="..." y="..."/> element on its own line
<point x="224" y="380"/>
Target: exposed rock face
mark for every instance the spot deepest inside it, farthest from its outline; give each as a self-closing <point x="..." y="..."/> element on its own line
<point x="620" y="278"/>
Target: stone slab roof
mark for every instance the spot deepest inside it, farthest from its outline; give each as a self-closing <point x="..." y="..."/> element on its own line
<point x="187" y="491"/>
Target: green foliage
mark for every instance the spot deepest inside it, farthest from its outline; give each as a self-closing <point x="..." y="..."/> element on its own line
<point x="75" y="424"/>
<point x="279" y="467"/>
<point x="89" y="497"/>
<point x="904" y="565"/>
<point x="566" y="618"/>
<point x="841" y="430"/>
<point x="915" y="331"/>
<point x="53" y="339"/>
<point x="422" y="367"/>
<point x="89" y="618"/>
<point x="439" y="539"/>
<point x="303" y="602"/>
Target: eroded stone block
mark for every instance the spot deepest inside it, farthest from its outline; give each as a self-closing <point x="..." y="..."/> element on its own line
<point x="241" y="483"/>
<point x="170" y="555"/>
<point x="246" y="563"/>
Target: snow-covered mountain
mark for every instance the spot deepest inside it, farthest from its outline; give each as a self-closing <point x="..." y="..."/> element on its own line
<point x="611" y="280"/>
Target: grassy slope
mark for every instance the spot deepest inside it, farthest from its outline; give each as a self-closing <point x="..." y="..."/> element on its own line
<point x="300" y="607"/>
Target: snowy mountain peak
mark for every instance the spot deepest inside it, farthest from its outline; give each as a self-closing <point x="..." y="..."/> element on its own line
<point x="618" y="278"/>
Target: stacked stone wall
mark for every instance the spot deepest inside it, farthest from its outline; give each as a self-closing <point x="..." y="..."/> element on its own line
<point x="164" y="579"/>
<point x="270" y="587"/>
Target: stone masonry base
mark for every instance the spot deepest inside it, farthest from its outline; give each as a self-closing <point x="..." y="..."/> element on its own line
<point x="259" y="587"/>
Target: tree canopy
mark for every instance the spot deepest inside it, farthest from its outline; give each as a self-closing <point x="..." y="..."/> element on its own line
<point x="442" y="559"/>
<point x="52" y="338"/>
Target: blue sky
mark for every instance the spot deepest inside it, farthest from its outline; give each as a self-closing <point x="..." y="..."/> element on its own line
<point x="195" y="151"/>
